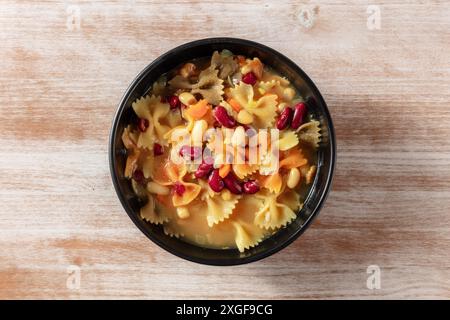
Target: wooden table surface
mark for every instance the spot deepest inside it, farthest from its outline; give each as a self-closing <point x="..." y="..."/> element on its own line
<point x="383" y="69"/>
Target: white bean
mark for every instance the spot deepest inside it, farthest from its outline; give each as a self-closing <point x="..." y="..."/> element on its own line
<point x="288" y="94"/>
<point x="293" y="178"/>
<point x="183" y="213"/>
<point x="156" y="188"/>
<point x="187" y="98"/>
<point x="281" y="106"/>
<point x="244" y="117"/>
<point x="198" y="131"/>
<point x="238" y="138"/>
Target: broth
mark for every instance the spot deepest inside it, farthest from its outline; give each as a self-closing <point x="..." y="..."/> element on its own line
<point x="223" y="204"/>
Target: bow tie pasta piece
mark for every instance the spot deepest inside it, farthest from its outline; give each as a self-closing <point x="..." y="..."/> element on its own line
<point x="153" y="213"/>
<point x="282" y="89"/>
<point x="157" y="113"/>
<point x="288" y="139"/>
<point x="148" y="166"/>
<point x="220" y="205"/>
<point x="310" y="133"/>
<point x="206" y="191"/>
<point x="253" y="65"/>
<point x="170" y="231"/>
<point x="247" y="235"/>
<point x="163" y="213"/>
<point x="225" y="63"/>
<point x="170" y="174"/>
<point x="191" y="191"/>
<point x="179" y="82"/>
<point x="209" y="85"/>
<point x="220" y="209"/>
<point x="244" y="170"/>
<point x="263" y="110"/>
<point x="142" y="107"/>
<point x="160" y="112"/>
<point x="290" y="198"/>
<point x="159" y="86"/>
<point x="271" y="87"/>
<point x="173" y="119"/>
<point x="269" y="77"/>
<point x="129" y="139"/>
<point x="242" y="94"/>
<point x="175" y="172"/>
<point x="273" y="214"/>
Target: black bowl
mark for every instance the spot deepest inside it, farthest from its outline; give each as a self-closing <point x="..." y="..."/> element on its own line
<point x="326" y="153"/>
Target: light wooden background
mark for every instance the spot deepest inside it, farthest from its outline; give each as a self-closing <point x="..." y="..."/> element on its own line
<point x="388" y="91"/>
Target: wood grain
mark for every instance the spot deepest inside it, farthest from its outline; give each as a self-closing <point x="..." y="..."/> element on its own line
<point x="389" y="94"/>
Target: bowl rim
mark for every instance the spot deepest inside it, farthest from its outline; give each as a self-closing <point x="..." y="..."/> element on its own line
<point x="121" y="108"/>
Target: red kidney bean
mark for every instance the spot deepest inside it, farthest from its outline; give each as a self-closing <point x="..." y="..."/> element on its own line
<point x="222" y="116"/>
<point x="215" y="181"/>
<point x="203" y="170"/>
<point x="299" y="115"/>
<point x="157" y="149"/>
<point x="143" y="124"/>
<point x="174" y="102"/>
<point x="191" y="152"/>
<point x="249" y="78"/>
<point x="179" y="188"/>
<point x="251" y="187"/>
<point x="285" y="118"/>
<point x="233" y="184"/>
<point x="138" y="176"/>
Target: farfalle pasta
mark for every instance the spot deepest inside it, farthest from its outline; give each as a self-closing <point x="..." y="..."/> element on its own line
<point x="223" y="152"/>
<point x="263" y="109"/>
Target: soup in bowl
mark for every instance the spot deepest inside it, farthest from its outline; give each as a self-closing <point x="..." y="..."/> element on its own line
<point x="222" y="151"/>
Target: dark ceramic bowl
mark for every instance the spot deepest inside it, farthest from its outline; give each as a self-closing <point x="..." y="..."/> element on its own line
<point x="326" y="153"/>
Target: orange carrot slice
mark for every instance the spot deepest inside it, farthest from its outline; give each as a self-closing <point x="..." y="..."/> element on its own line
<point x="257" y="67"/>
<point x="224" y="170"/>
<point x="198" y="110"/>
<point x="234" y="104"/>
<point x="293" y="160"/>
<point x="241" y="60"/>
